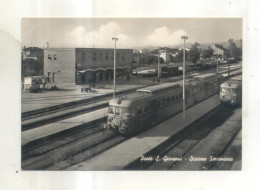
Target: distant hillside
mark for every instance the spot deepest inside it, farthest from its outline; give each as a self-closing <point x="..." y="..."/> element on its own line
<point x="188" y="45"/>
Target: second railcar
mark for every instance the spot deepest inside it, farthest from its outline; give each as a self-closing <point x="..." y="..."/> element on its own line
<point x="231" y="91"/>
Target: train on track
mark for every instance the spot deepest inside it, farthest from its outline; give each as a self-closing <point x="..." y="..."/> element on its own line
<point x="231" y="91"/>
<point x="150" y="105"/>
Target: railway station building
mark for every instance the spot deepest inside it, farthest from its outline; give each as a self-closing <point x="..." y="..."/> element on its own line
<point x="85" y="65"/>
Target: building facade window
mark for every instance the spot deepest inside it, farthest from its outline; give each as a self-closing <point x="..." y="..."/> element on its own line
<point x="54" y="57"/>
<point x="107" y="55"/>
<point x="94" y="56"/>
<point x="49" y="56"/>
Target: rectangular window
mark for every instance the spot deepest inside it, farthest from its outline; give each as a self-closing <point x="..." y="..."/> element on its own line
<point x="117" y="110"/>
<point x="163" y="102"/>
<point x="138" y="110"/>
<point x="54" y="57"/>
<point x="49" y="56"/>
<point x="126" y="111"/>
<point x="107" y="56"/>
<point x="94" y="56"/>
<point x="172" y="98"/>
<point x="168" y="100"/>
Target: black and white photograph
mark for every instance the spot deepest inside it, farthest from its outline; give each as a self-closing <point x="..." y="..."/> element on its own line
<point x="112" y="94"/>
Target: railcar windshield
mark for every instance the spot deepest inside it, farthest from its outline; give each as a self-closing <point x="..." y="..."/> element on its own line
<point x="117" y="110"/>
<point x="227" y="90"/>
<point x="126" y="111"/>
<point x="120" y="110"/>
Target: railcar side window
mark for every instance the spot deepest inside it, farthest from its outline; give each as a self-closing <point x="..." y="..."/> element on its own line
<point x="138" y="110"/>
<point x="163" y="102"/>
<point x="168" y="100"/>
<point x="158" y="103"/>
<point x="126" y="111"/>
<point x="117" y="110"/>
<point x="172" y="98"/>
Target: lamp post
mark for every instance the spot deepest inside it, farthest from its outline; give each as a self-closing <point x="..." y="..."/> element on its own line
<point x="217" y="60"/>
<point x="183" y="73"/>
<point x="158" y="66"/>
<point x="114" y="83"/>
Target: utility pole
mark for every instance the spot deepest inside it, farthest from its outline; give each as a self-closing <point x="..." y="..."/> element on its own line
<point x="183" y="73"/>
<point x="229" y="55"/>
<point x="159" y="66"/>
<point x="114" y="83"/>
<point x="217" y="60"/>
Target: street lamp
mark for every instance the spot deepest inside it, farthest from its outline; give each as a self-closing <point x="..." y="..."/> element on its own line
<point x="159" y="66"/>
<point x="183" y="73"/>
<point x="114" y="84"/>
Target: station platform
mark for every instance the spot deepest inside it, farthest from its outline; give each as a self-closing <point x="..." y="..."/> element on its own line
<point x="125" y="153"/>
<point x="50" y="129"/>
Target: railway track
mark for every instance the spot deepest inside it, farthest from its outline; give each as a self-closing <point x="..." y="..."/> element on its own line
<point x="64" y="148"/>
<point x="181" y="144"/>
<point x="48" y="143"/>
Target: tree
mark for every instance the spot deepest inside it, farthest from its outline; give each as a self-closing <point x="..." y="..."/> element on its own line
<point x="207" y="53"/>
<point x="179" y="57"/>
<point x="232" y="51"/>
<point x="194" y="53"/>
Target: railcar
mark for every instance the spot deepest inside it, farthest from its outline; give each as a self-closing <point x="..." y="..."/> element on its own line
<point x="206" y="85"/>
<point x="169" y="71"/>
<point x="231" y="91"/>
<point x="148" y="106"/>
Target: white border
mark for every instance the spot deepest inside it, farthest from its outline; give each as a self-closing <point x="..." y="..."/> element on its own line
<point x="11" y="13"/>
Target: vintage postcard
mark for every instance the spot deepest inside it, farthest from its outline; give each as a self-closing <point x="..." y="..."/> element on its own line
<point x="131" y="94"/>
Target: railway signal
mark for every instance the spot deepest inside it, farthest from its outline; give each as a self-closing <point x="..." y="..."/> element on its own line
<point x="183" y="71"/>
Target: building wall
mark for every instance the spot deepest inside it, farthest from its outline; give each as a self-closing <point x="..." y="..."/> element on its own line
<point x="61" y="62"/>
<point x="94" y="58"/>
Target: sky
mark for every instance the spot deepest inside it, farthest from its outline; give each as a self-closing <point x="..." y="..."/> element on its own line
<point x="132" y="32"/>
